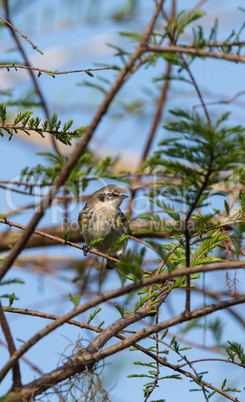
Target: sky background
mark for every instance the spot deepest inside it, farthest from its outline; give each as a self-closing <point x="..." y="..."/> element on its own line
<point x="74" y="35"/>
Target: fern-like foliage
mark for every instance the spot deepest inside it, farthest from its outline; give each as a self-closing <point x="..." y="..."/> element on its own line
<point x="26" y="123"/>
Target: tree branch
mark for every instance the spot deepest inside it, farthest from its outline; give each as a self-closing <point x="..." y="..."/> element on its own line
<point x="86" y="359"/>
<point x="11" y="348"/>
<point x="124" y="290"/>
<point x="195" y="52"/>
<point x="80" y="148"/>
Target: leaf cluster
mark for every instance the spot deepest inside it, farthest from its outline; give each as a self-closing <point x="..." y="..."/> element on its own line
<point x="86" y="167"/>
<point x="26" y="123"/>
<point x="196" y="155"/>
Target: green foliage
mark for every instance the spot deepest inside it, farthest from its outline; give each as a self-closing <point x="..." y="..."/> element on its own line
<point x="238" y="238"/>
<point x="133" y="36"/>
<point x="207" y="245"/>
<point x="120" y="309"/>
<point x="228" y="389"/>
<point x="216" y="326"/>
<point x="176" y="25"/>
<point x="75" y="299"/>
<point x="92" y="315"/>
<point x="24" y="122"/>
<point x="79" y="177"/>
<point x="242" y="199"/>
<point x="3" y="113"/>
<point x="96" y="241"/>
<point x="10" y="281"/>
<point x="129" y="265"/>
<point x="235" y="349"/>
<point x="66" y="236"/>
<point x="144" y="299"/>
<point x="152" y="375"/>
<point x="227" y="208"/>
<point x="10" y="298"/>
<point x="117" y="243"/>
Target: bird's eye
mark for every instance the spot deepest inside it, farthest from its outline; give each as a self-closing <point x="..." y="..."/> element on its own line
<point x="110" y="195"/>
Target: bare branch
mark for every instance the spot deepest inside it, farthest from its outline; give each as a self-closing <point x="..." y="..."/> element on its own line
<point x="51" y="72"/>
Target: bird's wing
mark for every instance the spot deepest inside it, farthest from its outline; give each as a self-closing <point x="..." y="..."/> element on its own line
<point x="81" y="219"/>
<point x="123" y="220"/>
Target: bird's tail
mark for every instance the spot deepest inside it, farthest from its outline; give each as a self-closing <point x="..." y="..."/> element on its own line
<point x="110" y="264"/>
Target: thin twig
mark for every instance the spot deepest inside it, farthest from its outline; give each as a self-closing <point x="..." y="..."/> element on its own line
<point x="195" y="52"/>
<point x="226" y="102"/>
<point x="51" y="72"/>
<point x="11" y="348"/>
<point x="156" y="121"/>
<point x="33" y="78"/>
<point x="21" y="34"/>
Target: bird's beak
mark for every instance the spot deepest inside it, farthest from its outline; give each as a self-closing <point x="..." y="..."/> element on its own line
<point x="122" y="197"/>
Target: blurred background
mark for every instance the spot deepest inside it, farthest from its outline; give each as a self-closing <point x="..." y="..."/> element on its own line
<point x="75" y="35"/>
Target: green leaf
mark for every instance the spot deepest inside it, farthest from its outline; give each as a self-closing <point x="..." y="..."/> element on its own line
<point x="96" y="241"/>
<point x="120" y="309"/>
<point x="24" y="117"/>
<point x="75" y="299"/>
<point x="117" y="243"/>
<point x="10" y="281"/>
<point x="11" y="298"/>
<point x="144" y="299"/>
<point x="236" y="349"/>
<point x="91" y="317"/>
<point x="89" y="73"/>
<point x="2" y="113"/>
<point x="66" y="236"/>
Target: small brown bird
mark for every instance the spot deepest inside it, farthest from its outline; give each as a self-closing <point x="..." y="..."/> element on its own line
<point x="102" y="218"/>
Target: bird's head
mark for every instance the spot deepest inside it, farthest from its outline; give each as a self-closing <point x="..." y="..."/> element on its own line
<point x="111" y="196"/>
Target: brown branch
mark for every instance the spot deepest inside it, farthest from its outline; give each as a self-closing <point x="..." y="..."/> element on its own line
<point x="124" y="74"/>
<point x="219" y="44"/>
<point x="11" y="348"/>
<point x="156" y="121"/>
<point x="213" y="360"/>
<point x="51" y="72"/>
<point x="58" y="240"/>
<point x="195" y="52"/>
<point x="24" y="359"/>
<point x="48" y="316"/>
<point x="126" y="289"/>
<point x="21" y="34"/>
<point x="78" y="324"/>
<point x="51" y="236"/>
<point x="197" y="90"/>
<point x="187" y="234"/>
<point x="26" y="128"/>
<point x="87" y="358"/>
<point x="33" y="78"/>
<point x="155" y="384"/>
<point x="226" y="102"/>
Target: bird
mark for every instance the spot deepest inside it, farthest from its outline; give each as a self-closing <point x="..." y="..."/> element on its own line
<point x="102" y="217"/>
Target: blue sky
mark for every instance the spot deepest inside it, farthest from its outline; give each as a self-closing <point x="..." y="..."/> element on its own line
<point x="78" y="45"/>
